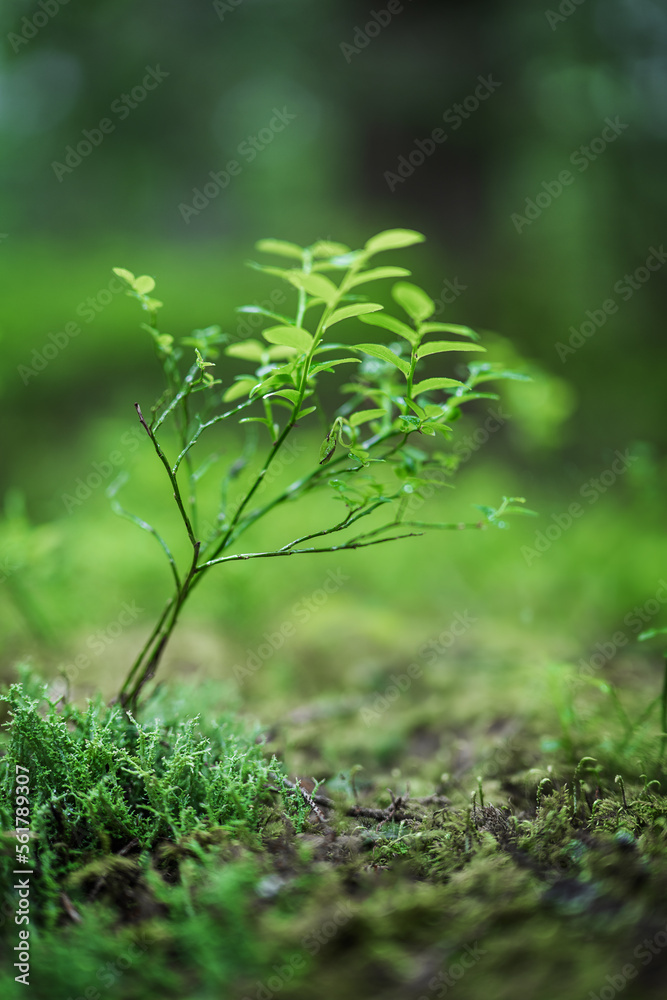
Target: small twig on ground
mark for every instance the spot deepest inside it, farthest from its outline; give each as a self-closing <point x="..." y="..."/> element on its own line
<point x="73" y="914"/>
<point x="309" y="800"/>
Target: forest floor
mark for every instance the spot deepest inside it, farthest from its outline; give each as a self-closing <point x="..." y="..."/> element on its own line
<point x="469" y="855"/>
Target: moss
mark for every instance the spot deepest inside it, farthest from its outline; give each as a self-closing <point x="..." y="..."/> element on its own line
<point x="233" y="887"/>
<point x="102" y="783"/>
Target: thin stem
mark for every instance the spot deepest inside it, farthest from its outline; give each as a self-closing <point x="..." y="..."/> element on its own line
<point x="255" y="486"/>
<point x="351" y="519"/>
<point x="159" y="638"/>
<point x="299" y="487"/>
<point x="188" y="385"/>
<point x="172" y="477"/>
<point x="145" y="526"/>
<point x="357" y="543"/>
<point x="460" y="526"/>
<point x="147" y="645"/>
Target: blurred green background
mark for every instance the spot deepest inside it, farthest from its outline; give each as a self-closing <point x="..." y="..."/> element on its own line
<point x="329" y="110"/>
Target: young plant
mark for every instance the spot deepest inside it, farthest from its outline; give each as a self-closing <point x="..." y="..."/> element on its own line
<point x="368" y="458"/>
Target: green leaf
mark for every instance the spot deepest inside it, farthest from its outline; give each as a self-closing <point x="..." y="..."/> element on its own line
<point x="124" y="274"/>
<point x="326" y="248"/>
<point x="291" y="394"/>
<point x="279" y="378"/>
<point x="289" y="336"/>
<point x="201" y="364"/>
<point x="417" y="304"/>
<point x="164" y="341"/>
<point x="259" y="310"/>
<point x="393" y="239"/>
<point x="258" y="420"/>
<point x="327" y="448"/>
<point x="304" y="413"/>
<point x="420" y="411"/>
<point x="249" y="350"/>
<point x="361" y="456"/>
<point x="261" y="389"/>
<point x="238" y="389"/>
<point x="277" y="353"/>
<point x="347" y="312"/>
<point x="144" y="284"/>
<point x="651" y="633"/>
<point x="280" y="272"/>
<point x="281" y="248"/>
<point x="487" y="374"/>
<point x="314" y="284"/>
<point x="326" y="365"/>
<point x="382" y="352"/>
<point x="363" y="416"/>
<point x="435" y="383"/>
<point x="408" y="423"/>
<point x="375" y="273"/>
<point x="441" y="346"/>
<point x="329" y="444"/>
<point x="467" y="397"/>
<point x="388" y="322"/>
<point x="442" y="429"/>
<point x="464" y="331"/>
